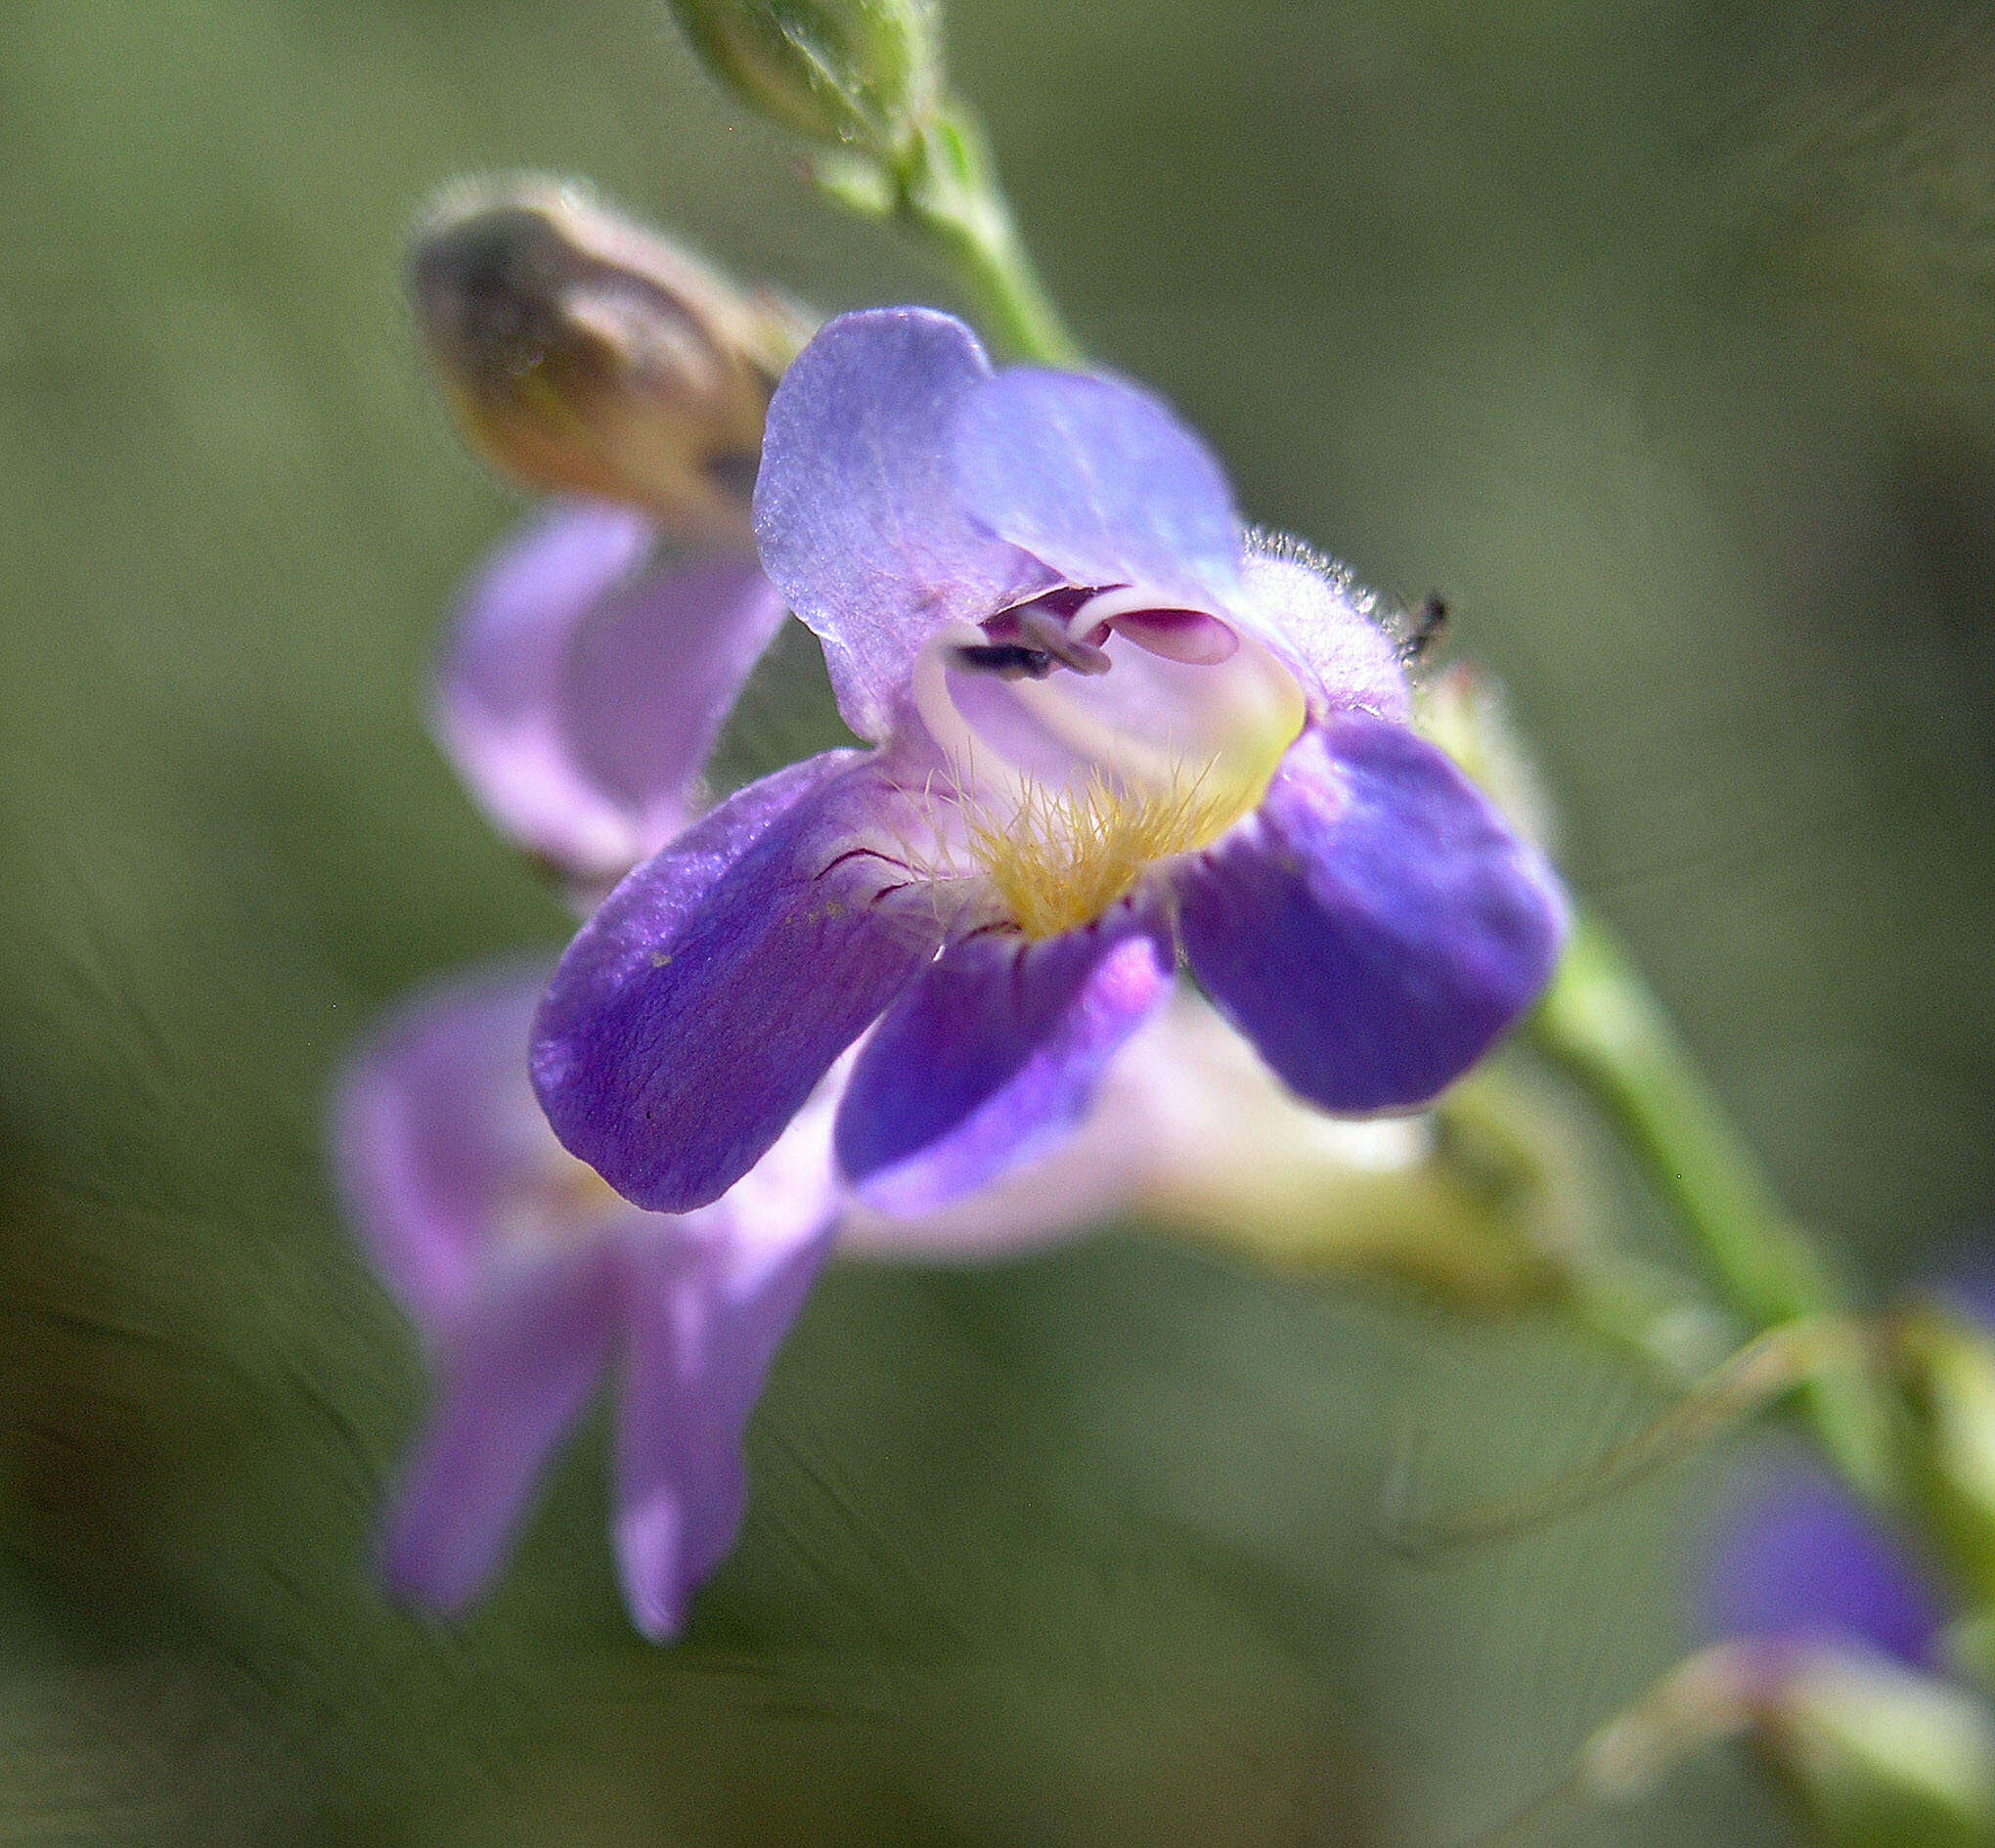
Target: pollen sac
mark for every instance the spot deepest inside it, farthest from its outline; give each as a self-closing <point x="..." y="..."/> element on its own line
<point x="862" y="75"/>
<point x="584" y="354"/>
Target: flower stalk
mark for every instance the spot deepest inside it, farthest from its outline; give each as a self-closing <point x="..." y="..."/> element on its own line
<point x="1600" y="1023"/>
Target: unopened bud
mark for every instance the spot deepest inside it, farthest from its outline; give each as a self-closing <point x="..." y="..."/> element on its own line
<point x="853" y="73"/>
<point x="587" y="355"/>
<point x="1873" y="1754"/>
<point x="1947" y="1361"/>
<point x="1881" y="1757"/>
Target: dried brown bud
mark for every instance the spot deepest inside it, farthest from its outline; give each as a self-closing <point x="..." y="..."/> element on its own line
<point x="584" y="354"/>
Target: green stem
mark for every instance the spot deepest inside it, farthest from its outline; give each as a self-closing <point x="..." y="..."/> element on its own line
<point x="949" y="195"/>
<point x="1600" y="1023"/>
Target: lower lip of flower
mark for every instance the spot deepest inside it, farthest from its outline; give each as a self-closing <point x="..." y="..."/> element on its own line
<point x="1067" y="786"/>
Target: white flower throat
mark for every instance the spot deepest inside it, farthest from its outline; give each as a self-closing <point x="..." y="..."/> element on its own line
<point x="1093" y="734"/>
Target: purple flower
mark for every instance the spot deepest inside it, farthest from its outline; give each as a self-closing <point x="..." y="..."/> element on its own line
<point x="1798" y="1560"/>
<point x="528" y="1278"/>
<point x="588" y="679"/>
<point x="1108" y="728"/>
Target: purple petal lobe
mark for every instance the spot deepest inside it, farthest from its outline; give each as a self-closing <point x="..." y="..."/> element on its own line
<point x="706" y="1316"/>
<point x="698" y="1008"/>
<point x="585" y="685"/>
<point x="854" y="509"/>
<point x="512" y="1379"/>
<point x="1098" y="480"/>
<point x="1319" y="621"/>
<point x="993" y="1057"/>
<point x="1800" y="1559"/>
<point x="435" y="1133"/>
<point x="1375" y="925"/>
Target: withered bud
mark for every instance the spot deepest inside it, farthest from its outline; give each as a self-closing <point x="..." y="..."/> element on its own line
<point x="584" y="354"/>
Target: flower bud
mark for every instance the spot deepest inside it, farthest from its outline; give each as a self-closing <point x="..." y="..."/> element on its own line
<point x="1880" y="1757"/>
<point x="587" y="355"/>
<point x="855" y="73"/>
<point x="1947" y="1362"/>
<point x="1873" y="1754"/>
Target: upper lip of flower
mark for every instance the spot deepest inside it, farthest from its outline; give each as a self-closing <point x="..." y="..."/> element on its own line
<point x="973" y="548"/>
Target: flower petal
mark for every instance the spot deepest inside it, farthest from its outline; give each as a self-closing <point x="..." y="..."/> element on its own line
<point x="710" y="1300"/>
<point x="1375" y="925"/>
<point x="854" y="509"/>
<point x="992" y="1058"/>
<point x="511" y="1379"/>
<point x="435" y="1133"/>
<point x="1800" y="1559"/>
<point x="584" y="688"/>
<point x="1319" y="622"/>
<point x="1098" y="480"/>
<point x="698" y="1008"/>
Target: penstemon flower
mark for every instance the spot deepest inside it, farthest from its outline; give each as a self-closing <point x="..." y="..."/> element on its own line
<point x="1108" y="726"/>
<point x="529" y="1278"/>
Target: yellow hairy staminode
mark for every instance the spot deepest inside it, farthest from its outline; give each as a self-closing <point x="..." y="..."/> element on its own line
<point x="1060" y="858"/>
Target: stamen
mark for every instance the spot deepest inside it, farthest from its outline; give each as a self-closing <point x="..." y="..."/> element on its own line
<point x="1060" y="858"/>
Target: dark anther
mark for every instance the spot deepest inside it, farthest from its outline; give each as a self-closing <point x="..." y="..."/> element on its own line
<point x="1425" y="626"/>
<point x="1007" y="660"/>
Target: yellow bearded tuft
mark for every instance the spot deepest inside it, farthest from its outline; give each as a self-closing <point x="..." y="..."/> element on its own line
<point x="1061" y="857"/>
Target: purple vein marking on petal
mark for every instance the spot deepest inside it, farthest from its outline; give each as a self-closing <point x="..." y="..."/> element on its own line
<point x="698" y="1008"/>
<point x="1100" y="481"/>
<point x="1376" y="925"/>
<point x="855" y="511"/>
<point x="992" y="1057"/>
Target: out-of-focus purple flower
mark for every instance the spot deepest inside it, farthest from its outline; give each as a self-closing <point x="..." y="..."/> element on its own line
<point x="1800" y="1560"/>
<point x="529" y="1279"/>
<point x="1108" y="726"/>
<point x="587" y="680"/>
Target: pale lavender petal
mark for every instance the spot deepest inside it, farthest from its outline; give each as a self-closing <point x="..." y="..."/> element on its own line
<point x="585" y="682"/>
<point x="1319" y="622"/>
<point x="854" y="509"/>
<point x="436" y="1131"/>
<point x="710" y="1299"/>
<point x="1798" y="1558"/>
<point x="653" y="675"/>
<point x="699" y="1007"/>
<point x="1375" y="925"/>
<point x="512" y="1379"/>
<point x="993" y="1057"/>
<point x="1100" y="481"/>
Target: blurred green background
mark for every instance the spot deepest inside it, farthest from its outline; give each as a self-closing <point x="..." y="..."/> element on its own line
<point x="1662" y="336"/>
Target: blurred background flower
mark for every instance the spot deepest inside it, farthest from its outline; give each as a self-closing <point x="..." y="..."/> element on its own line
<point x="1659" y="344"/>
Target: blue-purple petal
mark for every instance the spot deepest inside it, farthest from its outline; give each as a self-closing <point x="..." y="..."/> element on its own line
<point x="1098" y="480"/>
<point x="701" y="1004"/>
<point x="992" y="1057"/>
<point x="708" y="1306"/>
<point x="1375" y="926"/>
<point x="855" y="510"/>
<point x="512" y="1379"/>
<point x="1797" y="1559"/>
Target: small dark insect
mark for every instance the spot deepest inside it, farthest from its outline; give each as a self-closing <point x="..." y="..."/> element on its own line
<point x="1425" y="626"/>
<point x="1007" y="660"/>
